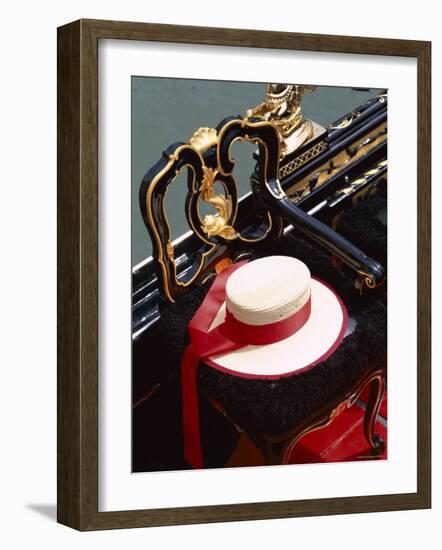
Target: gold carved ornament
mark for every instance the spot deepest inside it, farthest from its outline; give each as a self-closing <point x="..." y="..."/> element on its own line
<point x="213" y="225"/>
<point x="203" y="138"/>
<point x="216" y="225"/>
<point x="282" y="107"/>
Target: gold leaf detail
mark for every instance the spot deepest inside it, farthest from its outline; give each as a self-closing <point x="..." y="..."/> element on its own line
<point x="282" y="107"/>
<point x="346" y="121"/>
<point x="216" y="225"/>
<point x="203" y="139"/>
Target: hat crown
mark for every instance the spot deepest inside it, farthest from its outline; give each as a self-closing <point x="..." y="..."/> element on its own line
<point x="268" y="290"/>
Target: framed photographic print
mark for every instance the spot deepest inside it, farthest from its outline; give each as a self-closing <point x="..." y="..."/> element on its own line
<point x="237" y="290"/>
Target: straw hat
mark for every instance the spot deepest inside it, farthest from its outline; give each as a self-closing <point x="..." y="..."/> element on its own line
<point x="287" y="320"/>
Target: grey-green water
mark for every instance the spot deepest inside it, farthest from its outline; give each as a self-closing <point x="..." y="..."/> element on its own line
<point x="166" y="110"/>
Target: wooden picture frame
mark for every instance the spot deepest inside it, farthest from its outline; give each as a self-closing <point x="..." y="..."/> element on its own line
<point x="78" y="274"/>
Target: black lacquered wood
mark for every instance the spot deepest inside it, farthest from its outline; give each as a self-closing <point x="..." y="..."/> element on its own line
<point x="262" y="133"/>
<point x="369" y="271"/>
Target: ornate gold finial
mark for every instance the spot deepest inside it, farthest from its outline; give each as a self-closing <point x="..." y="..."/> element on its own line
<point x="282" y="107"/>
<point x="203" y="138"/>
<point x="215" y="225"/>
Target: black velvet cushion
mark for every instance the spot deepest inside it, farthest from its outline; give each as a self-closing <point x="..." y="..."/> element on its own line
<point x="274" y="406"/>
<point x="365" y="225"/>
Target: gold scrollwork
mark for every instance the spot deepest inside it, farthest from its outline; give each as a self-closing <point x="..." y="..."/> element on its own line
<point x="370" y="282"/>
<point x="204" y="138"/>
<point x="346" y="121"/>
<point x="216" y="225"/>
<point x="362" y="180"/>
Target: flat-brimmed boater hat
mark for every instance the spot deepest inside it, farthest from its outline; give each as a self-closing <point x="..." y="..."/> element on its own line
<point x="265" y="319"/>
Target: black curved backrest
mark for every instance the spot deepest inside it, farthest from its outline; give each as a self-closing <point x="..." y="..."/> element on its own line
<point x="207" y="158"/>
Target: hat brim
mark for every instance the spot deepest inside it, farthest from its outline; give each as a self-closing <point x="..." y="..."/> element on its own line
<point x="312" y="344"/>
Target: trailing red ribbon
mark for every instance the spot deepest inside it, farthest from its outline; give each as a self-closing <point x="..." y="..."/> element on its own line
<point x="229" y="336"/>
